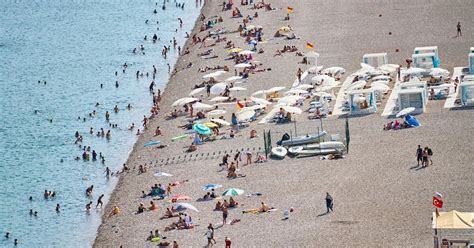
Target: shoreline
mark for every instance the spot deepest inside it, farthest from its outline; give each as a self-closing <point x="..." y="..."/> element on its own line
<point x="350" y="183"/>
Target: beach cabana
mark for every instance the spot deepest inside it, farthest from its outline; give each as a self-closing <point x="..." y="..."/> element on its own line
<point x="471" y="63"/>
<point x="427" y="49"/>
<point x="362" y="101"/>
<point x="375" y="59"/>
<point x="425" y="60"/>
<point x="466" y="91"/>
<point x="413" y="94"/>
<point x="453" y="227"/>
<point x="312" y="58"/>
<point x="471" y="50"/>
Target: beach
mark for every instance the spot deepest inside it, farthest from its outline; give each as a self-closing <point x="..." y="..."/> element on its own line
<point x="380" y="197"/>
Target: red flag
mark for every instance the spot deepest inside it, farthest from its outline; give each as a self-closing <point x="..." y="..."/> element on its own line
<point x="437" y="202"/>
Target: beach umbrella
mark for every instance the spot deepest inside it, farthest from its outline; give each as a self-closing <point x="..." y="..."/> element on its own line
<point x="315" y="69"/>
<point x="260" y="101"/>
<point x="439" y="72"/>
<point x="322" y="79"/>
<point x="388" y="67"/>
<point x="366" y="66"/>
<point x="242" y="65"/>
<point x="293" y="110"/>
<point x="312" y="54"/>
<point x="219" y="99"/>
<point x="210" y="124"/>
<point x="356" y="85"/>
<point x="211" y="186"/>
<point x="151" y="143"/>
<point x="290" y="100"/>
<point x="249" y="27"/>
<point x="180" y="198"/>
<point x="304" y="87"/>
<point x="275" y="89"/>
<point x="214" y="74"/>
<point x="380" y="87"/>
<point x="246" y="52"/>
<point x="197" y="91"/>
<point x="220" y="121"/>
<point x="202" y="106"/>
<point x="260" y="92"/>
<point x="216" y="112"/>
<point x="184" y="206"/>
<point x="218" y="88"/>
<point x="380" y="82"/>
<point x="234" y="50"/>
<point x="162" y="174"/>
<point x="334" y="70"/>
<point x="296" y="92"/>
<point x="254" y="107"/>
<point x="233" y="78"/>
<point x="284" y="29"/>
<point x="184" y="101"/>
<point x="322" y="94"/>
<point x="414" y="70"/>
<point x="201" y="129"/>
<point x="233" y="192"/>
<point x="405" y="111"/>
<point x="381" y="77"/>
<point x="245" y="115"/>
<point x="237" y="88"/>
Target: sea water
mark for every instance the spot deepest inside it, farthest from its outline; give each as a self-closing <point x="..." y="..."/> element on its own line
<point x="73" y="45"/>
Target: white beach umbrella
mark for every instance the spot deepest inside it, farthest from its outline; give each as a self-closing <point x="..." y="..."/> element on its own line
<point x="322" y="94"/>
<point x="233" y="78"/>
<point x="315" y="69"/>
<point x="184" y="101"/>
<point x="439" y="72"/>
<point x="162" y="174"/>
<point x="290" y="100"/>
<point x="218" y="88"/>
<point x="380" y="82"/>
<point x="381" y="77"/>
<point x="197" y="91"/>
<point x="322" y="78"/>
<point x="183" y="206"/>
<point x="260" y="101"/>
<point x="220" y="121"/>
<point x="219" y="99"/>
<point x="242" y="65"/>
<point x="405" y="111"/>
<point x="275" y="89"/>
<point x="304" y="87"/>
<point x="237" y="88"/>
<point x="356" y="85"/>
<point x="295" y="92"/>
<point x="334" y="70"/>
<point x="366" y="66"/>
<point x="246" y="115"/>
<point x="246" y="52"/>
<point x="380" y="87"/>
<point x="259" y="92"/>
<point x="254" y="107"/>
<point x="293" y="110"/>
<point x="414" y="70"/>
<point x="214" y="74"/>
<point x="216" y="112"/>
<point x="202" y="106"/>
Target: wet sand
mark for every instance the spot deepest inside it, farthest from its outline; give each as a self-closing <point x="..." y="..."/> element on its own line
<point x="380" y="198"/>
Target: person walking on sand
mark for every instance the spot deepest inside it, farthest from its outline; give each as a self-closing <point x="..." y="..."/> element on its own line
<point x="210" y="235"/>
<point x="225" y="213"/>
<point x="459" y="33"/>
<point x="228" y="242"/>
<point x="329" y="202"/>
<point x="419" y="155"/>
<point x="298" y="74"/>
<point x="430" y="155"/>
<point x="175" y="244"/>
<point x="425" y="158"/>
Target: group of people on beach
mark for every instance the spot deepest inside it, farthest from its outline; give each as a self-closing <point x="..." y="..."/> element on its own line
<point x="424" y="156"/>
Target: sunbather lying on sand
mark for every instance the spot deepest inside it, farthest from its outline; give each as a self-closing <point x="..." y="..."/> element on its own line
<point x="115" y="211"/>
<point x="169" y="214"/>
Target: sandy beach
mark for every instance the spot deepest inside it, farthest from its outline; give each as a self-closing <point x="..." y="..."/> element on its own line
<point x="380" y="198"/>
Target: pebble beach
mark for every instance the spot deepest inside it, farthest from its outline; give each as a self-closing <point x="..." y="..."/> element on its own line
<point x="381" y="198"/>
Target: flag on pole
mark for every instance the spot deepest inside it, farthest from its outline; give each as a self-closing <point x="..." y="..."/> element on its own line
<point x="240" y="106"/>
<point x="309" y="45"/>
<point x="437" y="202"/>
<point x="289" y="9"/>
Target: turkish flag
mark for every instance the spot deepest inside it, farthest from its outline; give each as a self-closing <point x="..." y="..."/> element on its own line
<point x="437" y="202"/>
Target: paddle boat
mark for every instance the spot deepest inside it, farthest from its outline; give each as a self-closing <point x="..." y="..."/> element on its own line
<point x="323" y="146"/>
<point x="279" y="152"/>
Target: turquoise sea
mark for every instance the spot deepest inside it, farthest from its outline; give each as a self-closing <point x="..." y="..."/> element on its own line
<point x="73" y="45"/>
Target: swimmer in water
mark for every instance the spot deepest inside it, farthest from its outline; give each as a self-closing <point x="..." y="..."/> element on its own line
<point x="7" y="235"/>
<point x="116" y="84"/>
<point x="99" y="201"/>
<point x="16" y="242"/>
<point x="30" y="198"/>
<point x="89" y="190"/>
<point x="57" y="208"/>
<point x="88" y="206"/>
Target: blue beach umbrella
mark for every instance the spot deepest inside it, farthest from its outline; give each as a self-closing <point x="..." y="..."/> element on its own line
<point x="151" y="143"/>
<point x="201" y="129"/>
<point x="211" y="186"/>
